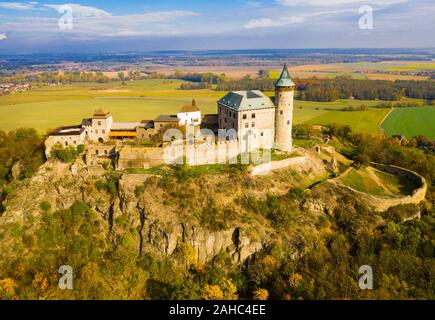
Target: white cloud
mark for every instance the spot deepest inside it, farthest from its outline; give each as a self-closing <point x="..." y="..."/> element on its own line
<point x="3" y="36"/>
<point x="325" y="3"/>
<point x="283" y="21"/>
<point x="265" y="23"/>
<point x="91" y="22"/>
<point x="16" y="5"/>
<point x="79" y="11"/>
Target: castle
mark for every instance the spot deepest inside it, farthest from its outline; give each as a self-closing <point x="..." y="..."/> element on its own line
<point x="249" y="117"/>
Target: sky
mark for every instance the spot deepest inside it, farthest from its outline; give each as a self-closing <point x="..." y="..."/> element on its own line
<point x="153" y="25"/>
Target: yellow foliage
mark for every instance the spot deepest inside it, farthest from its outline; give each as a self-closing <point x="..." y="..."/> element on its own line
<point x="40" y="281"/>
<point x="226" y="290"/>
<point x="213" y="292"/>
<point x="295" y="280"/>
<point x="261" y="294"/>
<point x="270" y="262"/>
<point x="229" y="289"/>
<point x="7" y="289"/>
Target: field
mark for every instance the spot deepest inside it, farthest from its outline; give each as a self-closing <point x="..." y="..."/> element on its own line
<point x="51" y="107"/>
<point x="325" y="113"/>
<point x="48" y="108"/>
<point x="378" y="183"/>
<point x="356" y="70"/>
<point x="411" y="122"/>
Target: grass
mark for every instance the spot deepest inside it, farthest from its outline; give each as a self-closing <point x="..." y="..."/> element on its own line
<point x="411" y="122"/>
<point x="378" y="183"/>
<point x="51" y="107"/>
<point x="325" y="113"/>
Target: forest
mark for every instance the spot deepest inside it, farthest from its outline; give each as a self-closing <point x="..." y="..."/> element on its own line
<point x="108" y="267"/>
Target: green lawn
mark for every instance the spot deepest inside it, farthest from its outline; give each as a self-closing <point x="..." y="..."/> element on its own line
<point x="411" y="122"/>
<point x="378" y="183"/>
<point x="325" y="113"/>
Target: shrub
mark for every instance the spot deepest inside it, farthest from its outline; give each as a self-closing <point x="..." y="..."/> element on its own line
<point x="65" y="155"/>
<point x="45" y="206"/>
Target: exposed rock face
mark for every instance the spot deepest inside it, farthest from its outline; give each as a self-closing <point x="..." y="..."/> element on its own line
<point x="64" y="184"/>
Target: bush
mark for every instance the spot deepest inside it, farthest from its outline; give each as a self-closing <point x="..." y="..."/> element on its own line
<point x="45" y="206"/>
<point x="65" y="155"/>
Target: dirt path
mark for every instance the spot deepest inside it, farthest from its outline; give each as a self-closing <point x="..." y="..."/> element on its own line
<point x="372" y="173"/>
<point x="383" y="120"/>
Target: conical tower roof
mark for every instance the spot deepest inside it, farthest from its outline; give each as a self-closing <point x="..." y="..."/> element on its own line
<point x="285" y="79"/>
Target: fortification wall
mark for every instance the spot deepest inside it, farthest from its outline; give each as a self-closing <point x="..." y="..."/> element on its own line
<point x="381" y="204"/>
<point x="201" y="153"/>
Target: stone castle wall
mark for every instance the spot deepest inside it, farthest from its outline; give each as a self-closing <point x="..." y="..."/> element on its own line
<point x="177" y="153"/>
<point x="381" y="204"/>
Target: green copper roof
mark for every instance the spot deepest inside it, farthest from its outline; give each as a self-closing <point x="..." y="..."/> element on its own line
<point x="246" y="100"/>
<point x="285" y="79"/>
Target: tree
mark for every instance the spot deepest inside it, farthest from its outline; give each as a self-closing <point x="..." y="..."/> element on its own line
<point x="261" y="294"/>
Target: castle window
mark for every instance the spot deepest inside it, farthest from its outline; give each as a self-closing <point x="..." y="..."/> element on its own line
<point x="96" y="152"/>
<point x="99" y="123"/>
<point x="253" y="116"/>
<point x="288" y="122"/>
<point x="262" y="134"/>
<point x="245" y="116"/>
<point x="66" y="143"/>
<point x="96" y="131"/>
<point x="104" y="131"/>
<point x="246" y="125"/>
<point x="281" y="112"/>
<point x="253" y="124"/>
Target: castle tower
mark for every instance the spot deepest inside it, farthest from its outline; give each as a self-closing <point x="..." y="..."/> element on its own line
<point x="284" y="95"/>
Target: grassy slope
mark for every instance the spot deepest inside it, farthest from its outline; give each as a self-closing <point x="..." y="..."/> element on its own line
<point x="378" y="183"/>
<point x="411" y="122"/>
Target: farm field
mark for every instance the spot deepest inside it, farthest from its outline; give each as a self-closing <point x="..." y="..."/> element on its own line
<point x="378" y="183"/>
<point x="356" y="70"/>
<point x="325" y="113"/>
<point x="51" y="107"/>
<point x="411" y="122"/>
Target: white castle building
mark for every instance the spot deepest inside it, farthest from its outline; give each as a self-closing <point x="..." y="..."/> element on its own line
<point x="250" y="115"/>
<point x="253" y="111"/>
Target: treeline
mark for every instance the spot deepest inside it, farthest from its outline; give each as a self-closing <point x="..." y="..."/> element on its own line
<point x="329" y="90"/>
<point x="247" y="84"/>
<point x="195" y="86"/>
<point x="207" y="77"/>
<point x="345" y="88"/>
<point x="418" y="89"/>
<point x="68" y="77"/>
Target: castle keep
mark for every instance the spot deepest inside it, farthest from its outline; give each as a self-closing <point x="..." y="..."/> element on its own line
<point x="248" y="118"/>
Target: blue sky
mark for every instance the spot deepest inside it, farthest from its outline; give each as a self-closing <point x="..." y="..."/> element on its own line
<point x="130" y="25"/>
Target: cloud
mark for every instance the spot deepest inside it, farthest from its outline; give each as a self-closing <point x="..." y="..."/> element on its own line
<point x="79" y="11"/>
<point x="3" y="36"/>
<point x="326" y="3"/>
<point x="283" y="21"/>
<point x="266" y="22"/>
<point x="94" y="23"/>
<point x="16" y="5"/>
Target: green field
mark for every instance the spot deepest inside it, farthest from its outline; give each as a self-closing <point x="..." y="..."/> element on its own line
<point x="411" y="122"/>
<point x="51" y="107"/>
<point x="325" y="113"/>
<point x="378" y="183"/>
